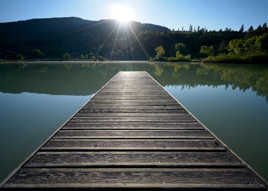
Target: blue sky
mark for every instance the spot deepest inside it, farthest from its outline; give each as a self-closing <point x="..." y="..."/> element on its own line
<point x="213" y="14"/>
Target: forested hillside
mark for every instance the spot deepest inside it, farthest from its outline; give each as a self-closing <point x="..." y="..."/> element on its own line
<point x="75" y="38"/>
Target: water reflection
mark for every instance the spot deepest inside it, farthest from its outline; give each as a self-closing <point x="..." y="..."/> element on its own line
<point x="85" y="79"/>
<point x="232" y="100"/>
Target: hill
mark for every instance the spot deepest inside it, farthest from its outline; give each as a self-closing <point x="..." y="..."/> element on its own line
<point x="71" y="37"/>
<point x="55" y="36"/>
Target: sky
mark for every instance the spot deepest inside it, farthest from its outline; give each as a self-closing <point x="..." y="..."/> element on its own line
<point x="174" y="14"/>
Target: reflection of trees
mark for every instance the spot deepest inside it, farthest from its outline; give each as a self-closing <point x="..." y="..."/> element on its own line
<point x="44" y="69"/>
<point x="68" y="66"/>
<point x="21" y="67"/>
<point x="53" y="78"/>
<point x="243" y="77"/>
<point x="85" y="79"/>
<point x="158" y="70"/>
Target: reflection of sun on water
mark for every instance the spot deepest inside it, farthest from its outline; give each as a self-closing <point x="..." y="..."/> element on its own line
<point x="122" y="13"/>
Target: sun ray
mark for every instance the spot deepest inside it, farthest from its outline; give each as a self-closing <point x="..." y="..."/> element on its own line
<point x="139" y="42"/>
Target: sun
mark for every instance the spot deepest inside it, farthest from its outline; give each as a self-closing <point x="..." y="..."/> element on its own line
<point x="122" y="13"/>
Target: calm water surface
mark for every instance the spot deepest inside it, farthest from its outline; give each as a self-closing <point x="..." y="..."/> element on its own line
<point x="231" y="100"/>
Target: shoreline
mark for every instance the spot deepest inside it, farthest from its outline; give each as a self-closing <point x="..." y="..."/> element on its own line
<point x="121" y="62"/>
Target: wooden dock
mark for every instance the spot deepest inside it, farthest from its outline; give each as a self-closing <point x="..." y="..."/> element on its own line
<point x="133" y="135"/>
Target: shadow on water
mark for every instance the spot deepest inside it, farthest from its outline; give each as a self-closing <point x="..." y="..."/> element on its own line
<point x="35" y="99"/>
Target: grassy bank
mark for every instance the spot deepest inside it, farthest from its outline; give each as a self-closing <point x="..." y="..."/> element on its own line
<point x="174" y="59"/>
<point x="239" y="59"/>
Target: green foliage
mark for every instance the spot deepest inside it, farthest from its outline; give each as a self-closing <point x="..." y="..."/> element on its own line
<point x="239" y="59"/>
<point x="66" y="56"/>
<point x="180" y="47"/>
<point x="236" y="46"/>
<point x="178" y="59"/>
<point x="93" y="58"/>
<point x="101" y="58"/>
<point x="222" y="47"/>
<point x="250" y="50"/>
<point x="262" y="42"/>
<point x="160" y="52"/>
<point x="178" y="54"/>
<point x="252" y="45"/>
<point x="82" y="56"/>
<point x="207" y="50"/>
<point x="37" y="53"/>
<point x="20" y="57"/>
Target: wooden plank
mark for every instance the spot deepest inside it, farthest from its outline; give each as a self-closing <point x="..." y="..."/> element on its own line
<point x="135" y="178"/>
<point x="134" y="159"/>
<point x="143" y="107"/>
<point x="141" y="118"/>
<point x="129" y="123"/>
<point x="135" y="144"/>
<point x="145" y="134"/>
<point x="137" y="121"/>
<point x="131" y="114"/>
<point x="127" y="103"/>
<point x="131" y="101"/>
<point x="132" y="93"/>
<point x="155" y="126"/>
<point x="132" y="110"/>
<point x="136" y="98"/>
<point x="132" y="88"/>
<point x="142" y="124"/>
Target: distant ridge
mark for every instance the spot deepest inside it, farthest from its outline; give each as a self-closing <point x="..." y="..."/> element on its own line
<point x="77" y="38"/>
<point x="74" y="35"/>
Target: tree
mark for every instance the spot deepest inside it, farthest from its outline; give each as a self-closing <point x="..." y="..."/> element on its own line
<point x="251" y="29"/>
<point x="82" y="56"/>
<point x="236" y="46"/>
<point x="191" y="28"/>
<point x="250" y="45"/>
<point x="178" y="54"/>
<point x="160" y="52"/>
<point x="66" y="56"/>
<point x="264" y="26"/>
<point x="180" y="47"/>
<point x="222" y="46"/>
<point x="262" y="42"/>
<point x="20" y="57"/>
<point x="37" y="53"/>
<point x="241" y="30"/>
<point x="207" y="50"/>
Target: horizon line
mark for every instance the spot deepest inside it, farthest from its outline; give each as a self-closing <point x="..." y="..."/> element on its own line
<point x="184" y="28"/>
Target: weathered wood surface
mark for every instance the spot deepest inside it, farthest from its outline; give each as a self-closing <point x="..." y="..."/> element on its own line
<point x="133" y="135"/>
<point x="132" y="144"/>
<point x="127" y="159"/>
<point x="87" y="134"/>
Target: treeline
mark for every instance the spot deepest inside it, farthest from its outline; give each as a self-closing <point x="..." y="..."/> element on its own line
<point x="191" y="41"/>
<point x="74" y="38"/>
<point x="253" y="48"/>
<point x="247" y="47"/>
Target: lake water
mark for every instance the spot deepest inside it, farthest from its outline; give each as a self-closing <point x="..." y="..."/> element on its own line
<point x="231" y="100"/>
